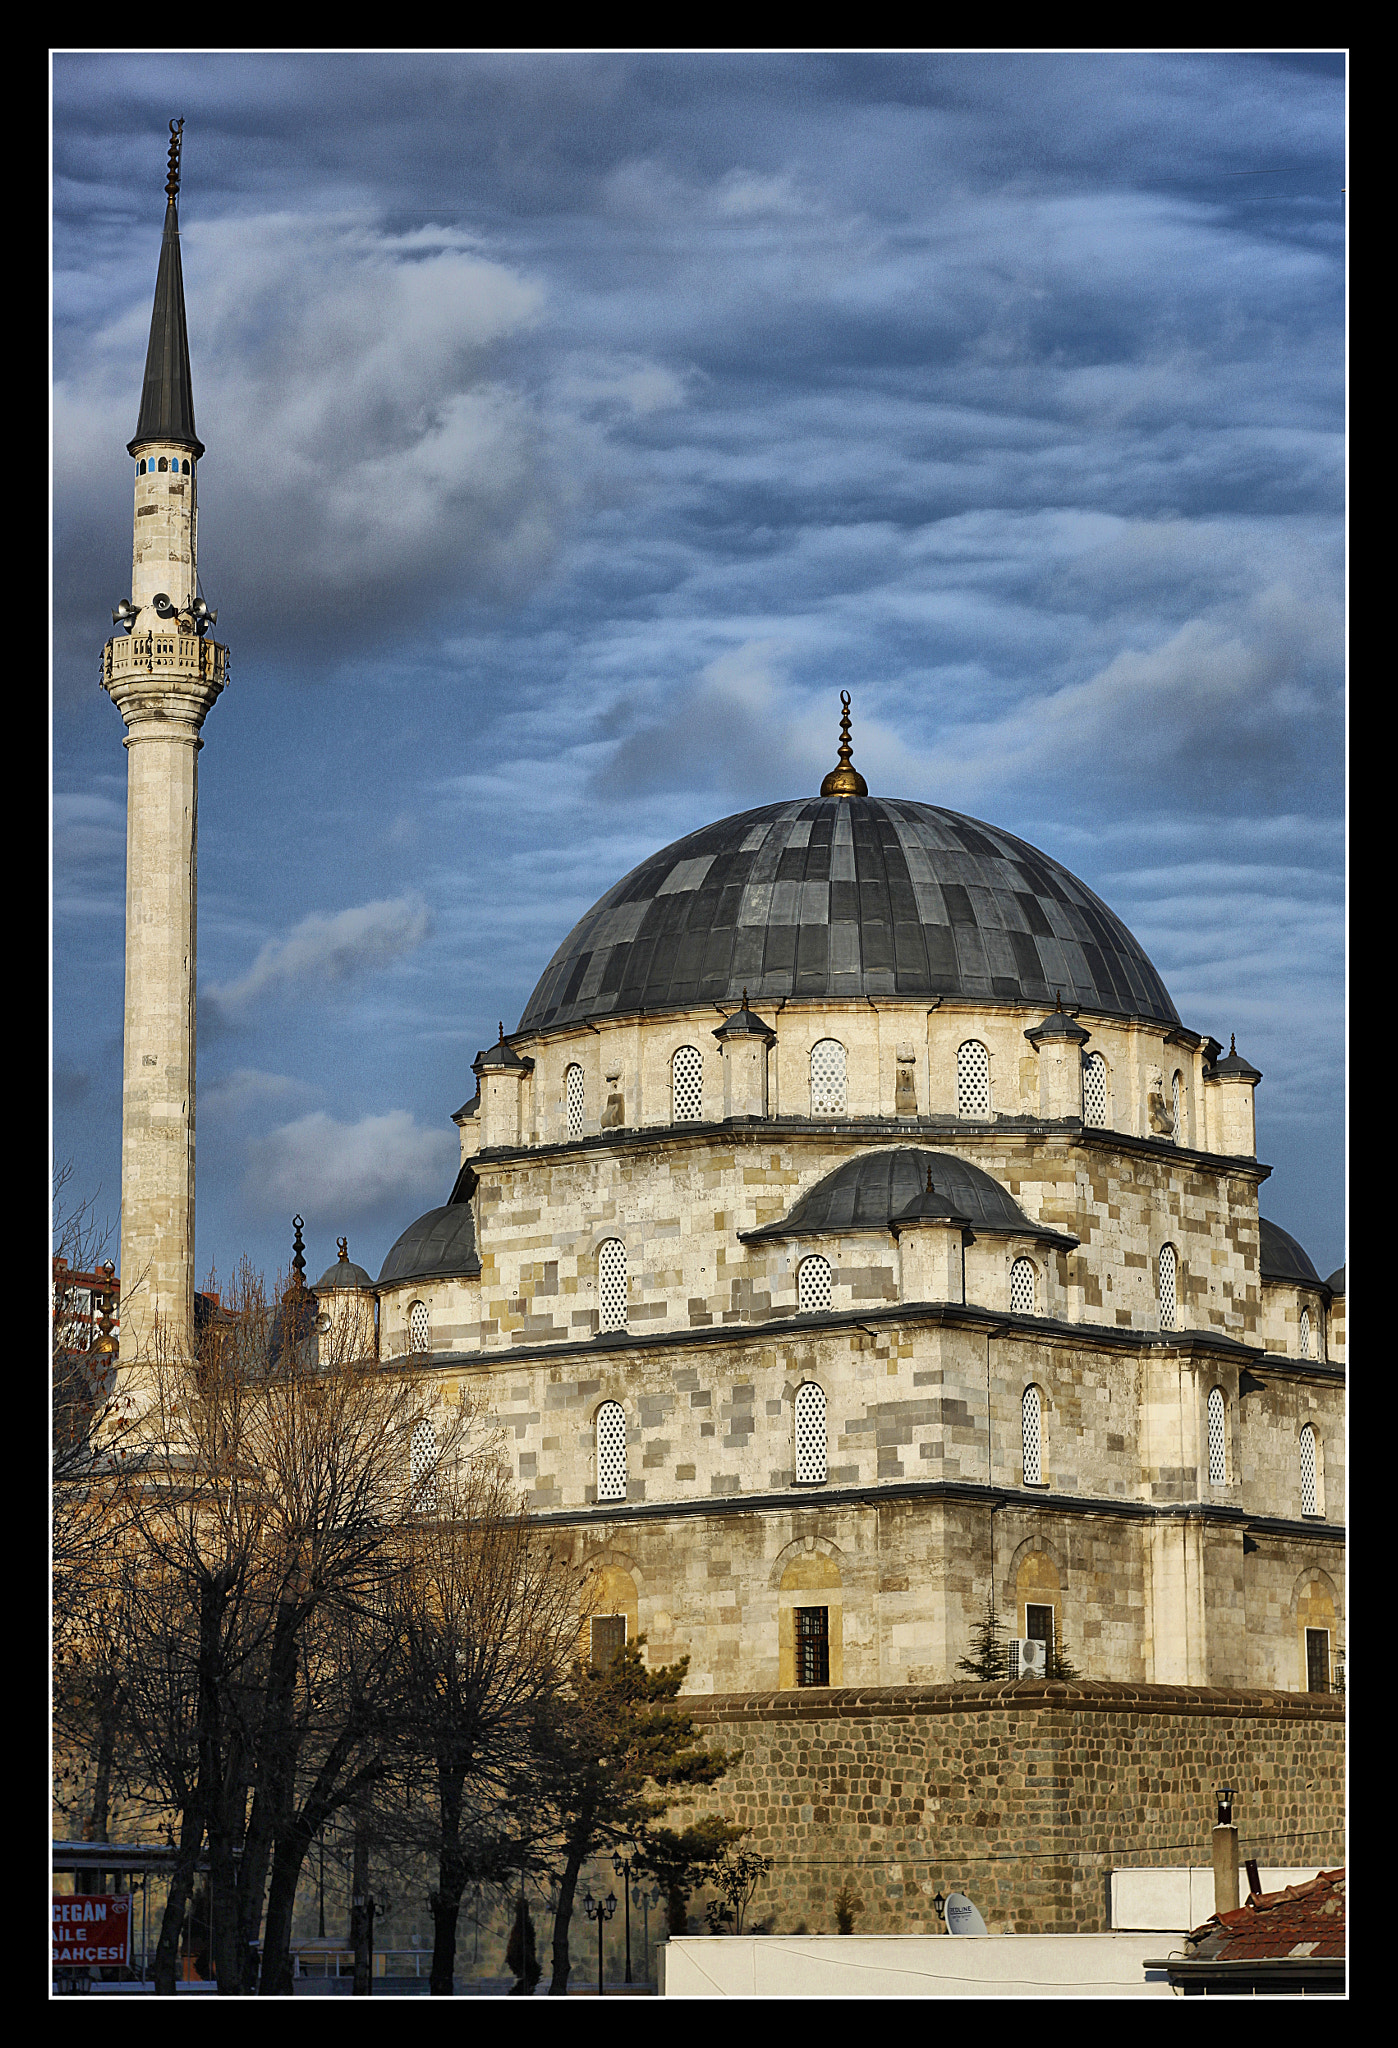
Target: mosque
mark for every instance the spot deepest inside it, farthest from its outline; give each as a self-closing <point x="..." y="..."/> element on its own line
<point x="850" y="1234"/>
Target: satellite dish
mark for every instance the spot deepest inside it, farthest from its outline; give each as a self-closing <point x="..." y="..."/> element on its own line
<point x="962" y="1917"/>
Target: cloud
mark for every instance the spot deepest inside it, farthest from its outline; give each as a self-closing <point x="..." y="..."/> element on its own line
<point x="326" y="950"/>
<point x="334" y="1172"/>
<point x="247" y="1089"/>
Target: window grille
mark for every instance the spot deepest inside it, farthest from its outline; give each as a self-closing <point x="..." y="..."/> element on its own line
<point x="1305" y="1333"/>
<point x="611" y="1285"/>
<point x="973" y="1079"/>
<point x="423" y="1466"/>
<point x="1094" y="1090"/>
<point x="1217" y="1466"/>
<point x="1308" y="1465"/>
<point x="419" y="1327"/>
<point x="574" y="1079"/>
<point x="1038" y="1626"/>
<point x="1022" y="1288"/>
<point x="1033" y="1438"/>
<point x="812" y="1286"/>
<point x="810" y="1434"/>
<point x="1167" y="1287"/>
<point x="1317" y="1660"/>
<point x="1177" y="1105"/>
<point x="687" y="1084"/>
<point x="611" y="1451"/>
<point x="813" y="1646"/>
<point x="828" y="1078"/>
<point x="608" y="1639"/>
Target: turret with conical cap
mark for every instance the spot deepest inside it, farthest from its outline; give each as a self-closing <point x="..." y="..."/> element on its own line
<point x="163" y="674"/>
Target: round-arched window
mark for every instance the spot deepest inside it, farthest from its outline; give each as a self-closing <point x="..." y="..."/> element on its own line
<point x="611" y="1451"/>
<point x="810" y="1434"/>
<point x="687" y="1084"/>
<point x="1217" y="1441"/>
<point x="1094" y="1090"/>
<point x="1310" y="1490"/>
<point x="574" y="1081"/>
<point x="1167" y="1266"/>
<point x="812" y="1286"/>
<point x="611" y="1285"/>
<point x="1022" y="1278"/>
<point x="162" y="465"/>
<point x="419" y="1327"/>
<point x="972" y="1079"/>
<point x="1177" y="1106"/>
<point x="1031" y="1415"/>
<point x="828" y="1073"/>
<point x="424" y="1466"/>
<point x="1305" y="1333"/>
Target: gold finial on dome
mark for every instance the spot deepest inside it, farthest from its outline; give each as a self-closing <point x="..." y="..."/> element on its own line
<point x="844" y="780"/>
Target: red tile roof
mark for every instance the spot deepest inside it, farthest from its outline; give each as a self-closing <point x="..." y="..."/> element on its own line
<point x="1304" y="1920"/>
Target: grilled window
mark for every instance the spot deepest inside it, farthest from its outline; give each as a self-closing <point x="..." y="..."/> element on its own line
<point x="813" y="1646"/>
<point x="1217" y="1447"/>
<point x="419" y="1327"/>
<point x="1305" y="1333"/>
<point x="1167" y="1287"/>
<point x="1094" y="1090"/>
<point x="611" y="1285"/>
<point x="1022" y="1287"/>
<point x="973" y="1079"/>
<point x="812" y="1286"/>
<point x="1177" y="1105"/>
<point x="810" y="1434"/>
<point x="423" y="1465"/>
<point x="1317" y="1660"/>
<point x="608" y="1639"/>
<point x="687" y="1084"/>
<point x="1030" y="1409"/>
<point x="611" y="1451"/>
<point x="574" y="1079"/>
<point x="1038" y="1627"/>
<point x="1310" y="1492"/>
<point x="828" y="1078"/>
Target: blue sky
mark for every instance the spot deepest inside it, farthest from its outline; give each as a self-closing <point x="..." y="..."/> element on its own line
<point x="579" y="426"/>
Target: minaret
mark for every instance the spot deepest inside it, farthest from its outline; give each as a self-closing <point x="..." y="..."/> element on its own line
<point x="162" y="674"/>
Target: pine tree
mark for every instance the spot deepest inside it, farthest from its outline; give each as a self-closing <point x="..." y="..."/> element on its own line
<point x="520" y="1959"/>
<point x="989" y="1658"/>
<point x="1060" y="1664"/>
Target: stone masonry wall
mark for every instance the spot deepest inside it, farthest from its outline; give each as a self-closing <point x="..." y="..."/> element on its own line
<point x="1024" y="1797"/>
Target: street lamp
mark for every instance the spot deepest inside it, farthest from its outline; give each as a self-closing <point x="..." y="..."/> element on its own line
<point x="623" y="1866"/>
<point x="600" y="1910"/>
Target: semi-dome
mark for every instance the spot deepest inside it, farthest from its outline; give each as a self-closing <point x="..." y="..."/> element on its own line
<point x="871" y="1190"/>
<point x="1281" y="1258"/>
<point x="846" y="896"/>
<point x="439" y="1246"/>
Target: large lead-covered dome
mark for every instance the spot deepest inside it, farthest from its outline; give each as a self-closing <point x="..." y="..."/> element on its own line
<point x="846" y="896"/>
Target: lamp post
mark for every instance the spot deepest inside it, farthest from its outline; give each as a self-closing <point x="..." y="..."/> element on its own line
<point x="645" y="1896"/>
<point x="600" y="1910"/>
<point x="623" y="1866"/>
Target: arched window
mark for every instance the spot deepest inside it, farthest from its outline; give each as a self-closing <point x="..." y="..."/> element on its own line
<point x="1305" y="1333"/>
<point x="162" y="465"/>
<point x="1167" y="1287"/>
<point x="828" y="1078"/>
<point x="812" y="1286"/>
<point x="141" y="466"/>
<point x="972" y="1079"/>
<point x="419" y="1327"/>
<point x="1094" y="1090"/>
<point x="611" y="1451"/>
<point x="574" y="1080"/>
<point x="423" y="1465"/>
<point x="810" y="1434"/>
<point x="1177" y="1105"/>
<point x="1310" y="1472"/>
<point x="611" y="1285"/>
<point x="687" y="1084"/>
<point x="1031" y="1411"/>
<point x="1022" y="1278"/>
<point x="1218" y="1463"/>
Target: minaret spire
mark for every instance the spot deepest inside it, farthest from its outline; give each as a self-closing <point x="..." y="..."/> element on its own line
<point x="163" y="673"/>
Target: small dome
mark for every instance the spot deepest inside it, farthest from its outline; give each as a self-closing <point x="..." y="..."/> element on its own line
<point x="1336" y="1282"/>
<point x="344" y="1274"/>
<point x="439" y="1245"/>
<point x="846" y="896"/>
<point x="1281" y="1258"/>
<point x="868" y="1192"/>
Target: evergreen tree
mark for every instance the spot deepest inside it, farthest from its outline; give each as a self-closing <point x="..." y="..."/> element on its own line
<point x="989" y="1658"/>
<point x="520" y="1959"/>
<point x="1060" y="1665"/>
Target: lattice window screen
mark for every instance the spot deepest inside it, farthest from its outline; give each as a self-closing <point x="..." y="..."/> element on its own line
<point x="828" y="1078"/>
<point x="1022" y="1288"/>
<point x="1094" y="1090"/>
<point x="973" y="1079"/>
<point x="611" y="1451"/>
<point x="1308" y="1485"/>
<point x="687" y="1084"/>
<point x="1177" y="1103"/>
<point x="1033" y="1438"/>
<point x="575" y="1102"/>
<point x="419" y="1327"/>
<point x="1167" y="1287"/>
<point x="611" y="1285"/>
<point x="812" y="1286"/>
<point x="423" y="1457"/>
<point x="812" y="1646"/>
<point x="1217" y="1462"/>
<point x="810" y="1434"/>
<point x="1305" y="1333"/>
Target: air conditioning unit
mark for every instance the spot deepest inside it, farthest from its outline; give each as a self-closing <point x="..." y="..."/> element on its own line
<point x="1028" y="1657"/>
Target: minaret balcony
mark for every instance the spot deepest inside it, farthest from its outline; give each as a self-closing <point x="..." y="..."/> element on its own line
<point x="182" y="657"/>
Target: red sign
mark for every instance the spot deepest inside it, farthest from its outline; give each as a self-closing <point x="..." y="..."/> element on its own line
<point x="92" y="1928"/>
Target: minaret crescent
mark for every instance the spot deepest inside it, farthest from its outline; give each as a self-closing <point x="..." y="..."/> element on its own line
<point x="163" y="672"/>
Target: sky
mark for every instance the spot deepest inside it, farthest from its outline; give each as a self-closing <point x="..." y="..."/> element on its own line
<point x="579" y="426"/>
